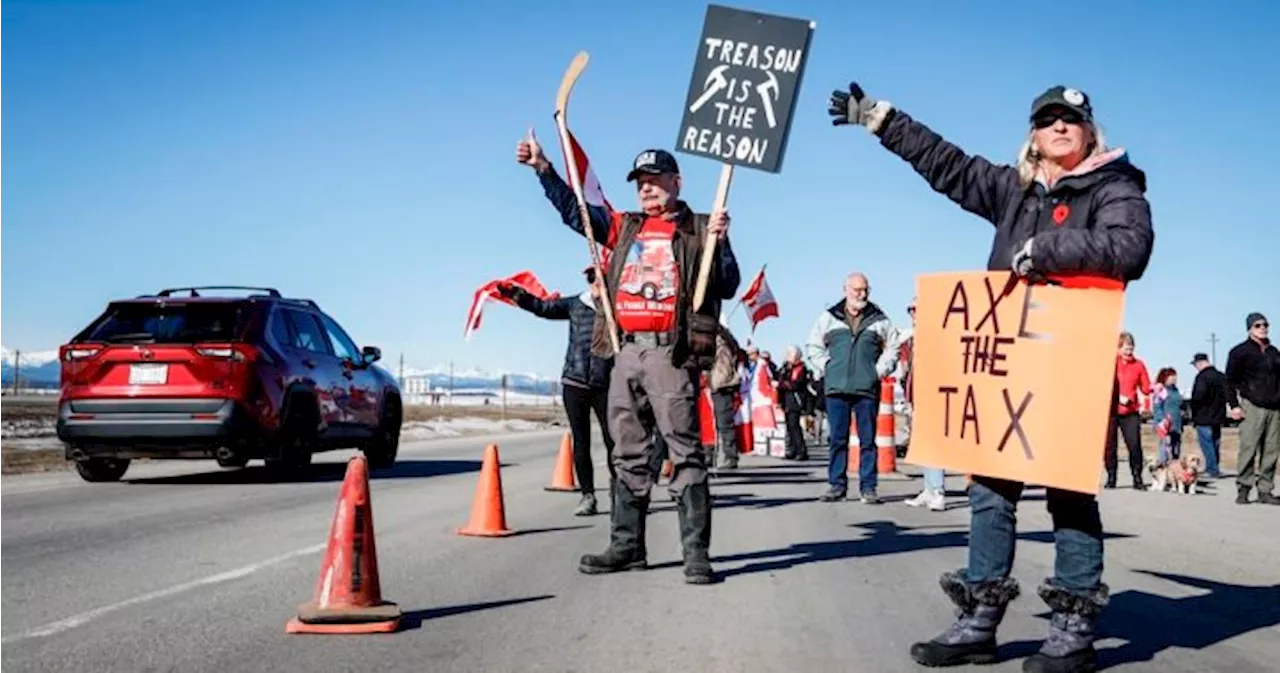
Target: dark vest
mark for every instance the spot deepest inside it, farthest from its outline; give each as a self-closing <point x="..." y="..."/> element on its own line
<point x="694" y="334"/>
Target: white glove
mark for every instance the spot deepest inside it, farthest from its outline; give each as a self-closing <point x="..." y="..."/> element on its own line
<point x="1022" y="259"/>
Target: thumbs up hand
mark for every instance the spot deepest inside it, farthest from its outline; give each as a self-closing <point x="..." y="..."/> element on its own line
<point x="529" y="152"/>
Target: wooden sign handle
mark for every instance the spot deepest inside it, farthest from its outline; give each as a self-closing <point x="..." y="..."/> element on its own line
<point x="709" y="249"/>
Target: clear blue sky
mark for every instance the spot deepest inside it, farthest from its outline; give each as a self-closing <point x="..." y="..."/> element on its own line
<point x="361" y="154"/>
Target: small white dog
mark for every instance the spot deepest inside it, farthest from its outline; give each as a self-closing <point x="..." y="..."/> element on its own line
<point x="1182" y="474"/>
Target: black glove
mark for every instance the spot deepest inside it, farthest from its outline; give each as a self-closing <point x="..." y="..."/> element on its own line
<point x="850" y="107"/>
<point x="509" y="291"/>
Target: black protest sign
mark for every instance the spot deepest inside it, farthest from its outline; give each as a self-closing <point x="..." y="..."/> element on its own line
<point x="746" y="77"/>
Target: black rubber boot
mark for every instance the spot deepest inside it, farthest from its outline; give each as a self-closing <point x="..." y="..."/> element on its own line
<point x="694" y="506"/>
<point x="626" y="544"/>
<point x="1111" y="478"/>
<point x="971" y="638"/>
<point x="1069" y="647"/>
<point x="1137" y="481"/>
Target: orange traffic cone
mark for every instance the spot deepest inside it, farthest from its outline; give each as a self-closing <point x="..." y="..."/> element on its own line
<point x="488" y="510"/>
<point x="562" y="478"/>
<point x="886" y="430"/>
<point x="348" y="597"/>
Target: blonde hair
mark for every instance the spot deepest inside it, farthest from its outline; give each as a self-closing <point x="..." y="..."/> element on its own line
<point x="1126" y="338"/>
<point x="1028" y="162"/>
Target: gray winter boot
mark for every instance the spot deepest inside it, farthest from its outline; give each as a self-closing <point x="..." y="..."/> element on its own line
<point x="695" y="532"/>
<point x="728" y="450"/>
<point x="971" y="639"/>
<point x="1069" y="647"/>
<point x="626" y="549"/>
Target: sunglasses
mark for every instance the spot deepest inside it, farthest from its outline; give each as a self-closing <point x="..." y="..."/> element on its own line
<point x="1046" y="119"/>
<point x="1261" y="325"/>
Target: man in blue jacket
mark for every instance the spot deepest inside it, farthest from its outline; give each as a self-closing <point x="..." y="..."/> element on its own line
<point x="853" y="345"/>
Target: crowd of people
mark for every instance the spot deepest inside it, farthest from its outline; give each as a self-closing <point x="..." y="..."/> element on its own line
<point x="1070" y="204"/>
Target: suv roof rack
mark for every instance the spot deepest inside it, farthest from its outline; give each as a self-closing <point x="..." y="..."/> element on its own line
<point x="195" y="290"/>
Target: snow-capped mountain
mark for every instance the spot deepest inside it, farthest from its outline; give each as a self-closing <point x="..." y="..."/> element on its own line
<point x="479" y="379"/>
<point x="39" y="368"/>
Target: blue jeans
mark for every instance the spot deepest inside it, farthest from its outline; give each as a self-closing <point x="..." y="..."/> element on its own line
<point x="840" y="410"/>
<point x="1077" y="534"/>
<point x="1210" y="437"/>
<point x="935" y="479"/>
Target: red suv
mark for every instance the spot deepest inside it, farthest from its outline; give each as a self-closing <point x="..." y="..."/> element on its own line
<point x="182" y="375"/>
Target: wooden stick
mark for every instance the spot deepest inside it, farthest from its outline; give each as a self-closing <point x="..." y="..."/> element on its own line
<point x="709" y="249"/>
<point x="571" y="75"/>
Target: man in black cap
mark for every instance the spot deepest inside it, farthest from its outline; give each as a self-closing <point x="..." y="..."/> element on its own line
<point x="666" y="343"/>
<point x="1210" y="397"/>
<point x="1253" y="369"/>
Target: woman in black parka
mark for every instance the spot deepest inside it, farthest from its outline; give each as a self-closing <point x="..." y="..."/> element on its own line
<point x="584" y="379"/>
<point x="1068" y="205"/>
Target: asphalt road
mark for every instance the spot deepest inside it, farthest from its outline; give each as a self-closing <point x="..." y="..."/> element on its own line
<point x="187" y="567"/>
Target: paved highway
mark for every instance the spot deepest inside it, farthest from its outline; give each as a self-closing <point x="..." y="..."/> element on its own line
<point x="187" y="567"/>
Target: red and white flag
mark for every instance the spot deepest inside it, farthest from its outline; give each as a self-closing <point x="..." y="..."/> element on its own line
<point x="524" y="279"/>
<point x="759" y="301"/>
<point x="592" y="192"/>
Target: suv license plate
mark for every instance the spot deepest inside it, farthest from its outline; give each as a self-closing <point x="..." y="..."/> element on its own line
<point x="148" y="374"/>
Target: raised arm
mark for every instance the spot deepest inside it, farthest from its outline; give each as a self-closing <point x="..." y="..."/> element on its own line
<point x="552" y="309"/>
<point x="977" y="185"/>
<point x="603" y="222"/>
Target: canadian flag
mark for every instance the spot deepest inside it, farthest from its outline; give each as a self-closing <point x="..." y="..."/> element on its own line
<point x="524" y="280"/>
<point x="592" y="192"/>
<point x="759" y="300"/>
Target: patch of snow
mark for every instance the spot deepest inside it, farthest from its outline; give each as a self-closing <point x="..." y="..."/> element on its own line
<point x="29" y="358"/>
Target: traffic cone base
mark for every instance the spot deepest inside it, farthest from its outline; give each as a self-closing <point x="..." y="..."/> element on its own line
<point x="488" y="510"/>
<point x="381" y="618"/>
<point x="348" y="594"/>
<point x="562" y="479"/>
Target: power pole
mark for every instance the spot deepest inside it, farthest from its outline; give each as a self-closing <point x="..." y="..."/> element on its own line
<point x="504" y="398"/>
<point x="1213" y="347"/>
<point x="451" y="382"/>
<point x="402" y="370"/>
<point x="17" y="371"/>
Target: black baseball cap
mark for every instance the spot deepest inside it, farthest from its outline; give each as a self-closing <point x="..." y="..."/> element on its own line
<point x="1200" y="357"/>
<point x="1072" y="99"/>
<point x="653" y="162"/>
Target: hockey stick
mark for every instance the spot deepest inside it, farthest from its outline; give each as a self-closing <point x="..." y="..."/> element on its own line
<point x="571" y="76"/>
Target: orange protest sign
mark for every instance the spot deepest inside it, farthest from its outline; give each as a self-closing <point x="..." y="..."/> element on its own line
<point x="1013" y="380"/>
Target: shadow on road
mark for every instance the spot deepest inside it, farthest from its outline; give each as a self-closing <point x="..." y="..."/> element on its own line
<point x="414" y="619"/>
<point x="319" y="472"/>
<point x="1192" y="622"/>
<point x="885" y="537"/>
<point x="534" y="531"/>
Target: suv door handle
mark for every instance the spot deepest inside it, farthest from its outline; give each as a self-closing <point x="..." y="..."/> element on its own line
<point x="309" y="363"/>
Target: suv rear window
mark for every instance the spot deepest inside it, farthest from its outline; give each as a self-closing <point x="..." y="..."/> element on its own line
<point x="138" y="322"/>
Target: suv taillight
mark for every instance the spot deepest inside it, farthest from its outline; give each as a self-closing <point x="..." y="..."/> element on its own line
<point x="236" y="353"/>
<point x="79" y="352"/>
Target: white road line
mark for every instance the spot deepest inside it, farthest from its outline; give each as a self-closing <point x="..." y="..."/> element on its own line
<point x="86" y="617"/>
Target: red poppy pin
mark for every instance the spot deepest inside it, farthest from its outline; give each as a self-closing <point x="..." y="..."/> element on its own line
<point x="1060" y="213"/>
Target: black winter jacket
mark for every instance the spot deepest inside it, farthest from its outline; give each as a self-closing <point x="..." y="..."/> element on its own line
<point x="1254" y="370"/>
<point x="1096" y="221"/>
<point x="580" y="366"/>
<point x="1210" y="398"/>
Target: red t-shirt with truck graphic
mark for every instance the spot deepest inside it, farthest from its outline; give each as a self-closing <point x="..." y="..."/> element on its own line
<point x="646" y="299"/>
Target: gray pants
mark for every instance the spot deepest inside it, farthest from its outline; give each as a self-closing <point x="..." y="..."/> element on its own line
<point x="648" y="393"/>
<point x="1259" y="447"/>
<point x="726" y="428"/>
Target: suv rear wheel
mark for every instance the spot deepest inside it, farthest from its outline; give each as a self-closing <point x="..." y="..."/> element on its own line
<point x="296" y="438"/>
<point x="102" y="469"/>
<point x="382" y="449"/>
